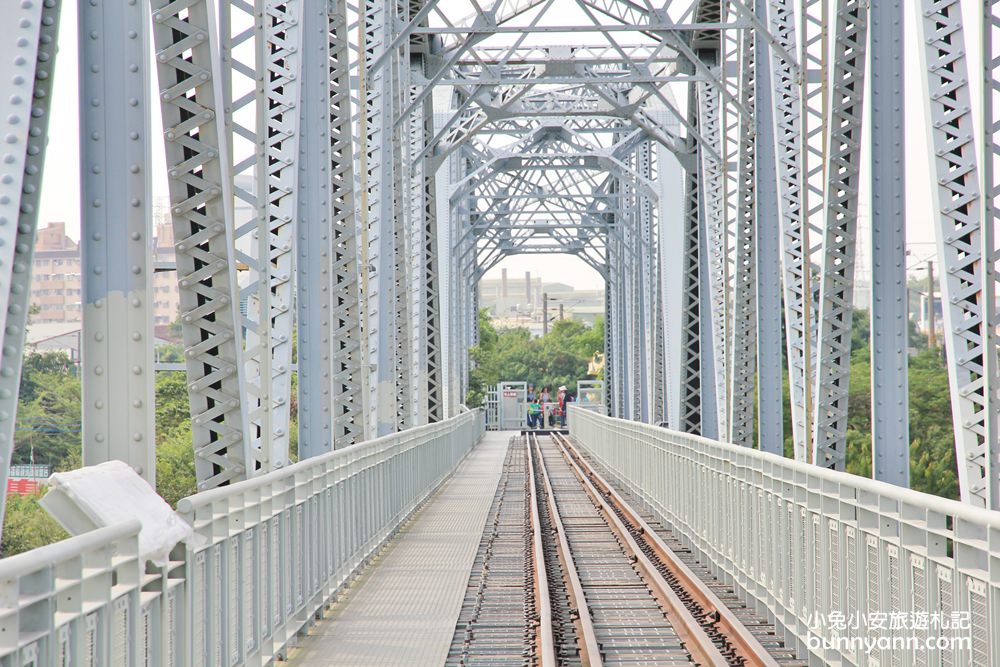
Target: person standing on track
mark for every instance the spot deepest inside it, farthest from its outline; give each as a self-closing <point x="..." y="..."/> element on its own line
<point x="534" y="414"/>
<point x="564" y="398"/>
<point x="531" y="398"/>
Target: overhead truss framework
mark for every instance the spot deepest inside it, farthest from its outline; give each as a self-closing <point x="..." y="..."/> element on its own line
<point x="341" y="177"/>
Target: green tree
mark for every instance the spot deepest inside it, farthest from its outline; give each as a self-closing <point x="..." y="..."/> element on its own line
<point x="48" y="416"/>
<point x="559" y="358"/>
<point x="27" y="526"/>
<point x="175" y="476"/>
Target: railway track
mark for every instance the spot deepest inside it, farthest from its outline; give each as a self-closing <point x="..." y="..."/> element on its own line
<point x="584" y="579"/>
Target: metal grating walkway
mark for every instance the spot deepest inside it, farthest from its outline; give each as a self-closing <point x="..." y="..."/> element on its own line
<point x="403" y="609"/>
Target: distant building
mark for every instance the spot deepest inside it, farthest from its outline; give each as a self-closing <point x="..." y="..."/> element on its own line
<point x="55" y="337"/>
<point x="518" y="302"/>
<point x="508" y="297"/>
<point x="56" y="282"/>
<point x="166" y="296"/>
<point x="65" y="337"/>
<point x="55" y="278"/>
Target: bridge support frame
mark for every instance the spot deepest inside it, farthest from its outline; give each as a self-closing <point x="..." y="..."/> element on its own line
<point x="115" y="237"/>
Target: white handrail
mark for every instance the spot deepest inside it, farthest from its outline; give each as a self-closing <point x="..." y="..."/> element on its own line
<point x="810" y="546"/>
<point x="273" y="551"/>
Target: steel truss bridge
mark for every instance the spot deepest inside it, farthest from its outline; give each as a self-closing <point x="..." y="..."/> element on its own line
<point x="340" y="178"/>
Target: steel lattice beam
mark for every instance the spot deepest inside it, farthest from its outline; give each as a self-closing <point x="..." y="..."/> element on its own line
<point x="184" y="33"/>
<point x="964" y="239"/>
<point x="743" y="326"/>
<point x="769" y="314"/>
<point x="712" y="191"/>
<point x="789" y="160"/>
<point x="841" y="217"/>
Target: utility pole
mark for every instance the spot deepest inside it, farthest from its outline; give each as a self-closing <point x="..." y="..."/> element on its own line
<point x="931" y="328"/>
<point x="545" y="313"/>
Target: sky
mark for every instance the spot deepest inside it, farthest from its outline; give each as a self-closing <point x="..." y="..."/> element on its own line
<point x="60" y="195"/>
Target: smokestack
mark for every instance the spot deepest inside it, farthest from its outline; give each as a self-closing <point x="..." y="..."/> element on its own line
<point x="527" y="289"/>
<point x="503" y="283"/>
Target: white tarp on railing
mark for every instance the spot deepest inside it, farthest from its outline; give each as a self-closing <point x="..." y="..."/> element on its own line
<point x="853" y="571"/>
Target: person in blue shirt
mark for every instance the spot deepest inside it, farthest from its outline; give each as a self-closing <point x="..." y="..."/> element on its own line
<point x="532" y="398"/>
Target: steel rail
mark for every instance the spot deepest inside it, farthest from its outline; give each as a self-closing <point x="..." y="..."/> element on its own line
<point x="742" y="640"/>
<point x="589" y="648"/>
<point x="544" y="630"/>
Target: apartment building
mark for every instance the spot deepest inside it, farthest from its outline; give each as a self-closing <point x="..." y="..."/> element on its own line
<point x="166" y="297"/>
<point x="56" y="284"/>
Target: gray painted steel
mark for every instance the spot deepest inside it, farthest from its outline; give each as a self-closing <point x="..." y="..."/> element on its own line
<point x="889" y="317"/>
<point x="116" y="236"/>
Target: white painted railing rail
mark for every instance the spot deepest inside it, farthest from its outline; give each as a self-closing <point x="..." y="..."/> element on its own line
<point x="805" y="545"/>
<point x="274" y="550"/>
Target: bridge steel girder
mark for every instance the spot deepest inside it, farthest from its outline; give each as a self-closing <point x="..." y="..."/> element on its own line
<point x="432" y="282"/>
<point x="889" y="317"/>
<point x="265" y="245"/>
<point x="115" y="237"/>
<point x="329" y="333"/>
<point x="743" y="316"/>
<point x="691" y="405"/>
<point x="378" y="212"/>
<point x="199" y="180"/>
<point x="769" y="211"/>
<point x="402" y="263"/>
<point x="964" y="221"/>
<point x="712" y="197"/>
<point x="840" y="221"/>
<point x="314" y="237"/>
<point x="27" y="61"/>
<point x="789" y="159"/>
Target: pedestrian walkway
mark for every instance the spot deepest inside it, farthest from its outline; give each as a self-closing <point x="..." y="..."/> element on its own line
<point x="402" y="610"/>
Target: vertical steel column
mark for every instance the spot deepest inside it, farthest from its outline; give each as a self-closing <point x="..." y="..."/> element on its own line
<point x="184" y="32"/>
<point x="769" y="222"/>
<point x="890" y="404"/>
<point x="645" y="283"/>
<point x="714" y="243"/>
<point x="743" y="323"/>
<point x="432" y="279"/>
<point x="963" y="241"/>
<point x="265" y="93"/>
<point x="690" y="367"/>
<point x="27" y="60"/>
<point x="401" y="284"/>
<point x="276" y="233"/>
<point x="672" y="259"/>
<point x="416" y="211"/>
<point x="315" y="283"/>
<point x="117" y="356"/>
<point x="616" y="365"/>
<point x="610" y="391"/>
<point x="658" y="355"/>
<point x="790" y="160"/>
<point x="349" y="415"/>
<point x="833" y="347"/>
<point x="243" y="75"/>
<point x="711" y="411"/>
<point x="814" y="119"/>
<point x="990" y="43"/>
<point x="379" y="214"/>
